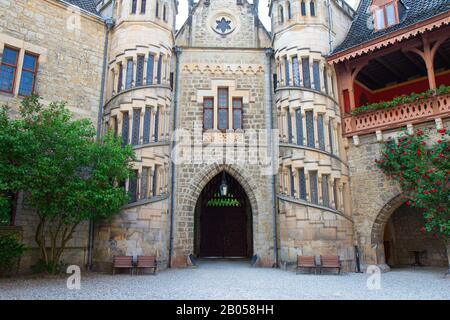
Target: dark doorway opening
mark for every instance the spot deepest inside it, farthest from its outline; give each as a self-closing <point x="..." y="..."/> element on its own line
<point x="223" y="220"/>
<point x="406" y="244"/>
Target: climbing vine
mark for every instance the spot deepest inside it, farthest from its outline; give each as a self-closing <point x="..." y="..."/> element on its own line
<point x="421" y="166"/>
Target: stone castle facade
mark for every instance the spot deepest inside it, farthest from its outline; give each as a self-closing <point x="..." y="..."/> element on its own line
<point x="221" y="80"/>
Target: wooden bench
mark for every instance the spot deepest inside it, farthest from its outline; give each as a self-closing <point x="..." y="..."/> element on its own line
<point x="146" y="262"/>
<point x="306" y="262"/>
<point x="123" y="262"/>
<point x="330" y="262"/>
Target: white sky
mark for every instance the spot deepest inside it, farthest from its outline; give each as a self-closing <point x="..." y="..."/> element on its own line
<point x="263" y="11"/>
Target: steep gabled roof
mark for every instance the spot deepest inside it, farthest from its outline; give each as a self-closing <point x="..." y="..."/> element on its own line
<point x="87" y="5"/>
<point x="411" y="12"/>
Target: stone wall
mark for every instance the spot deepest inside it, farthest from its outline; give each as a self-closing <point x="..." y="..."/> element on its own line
<point x="140" y="229"/>
<point x="405" y="237"/>
<point x="70" y="49"/>
<point x="204" y="71"/>
<point x="374" y="196"/>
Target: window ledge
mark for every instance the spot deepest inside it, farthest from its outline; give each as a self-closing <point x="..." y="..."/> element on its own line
<point x="313" y="205"/>
<point x="146" y="201"/>
<point x="280" y="88"/>
<point x="296" y="146"/>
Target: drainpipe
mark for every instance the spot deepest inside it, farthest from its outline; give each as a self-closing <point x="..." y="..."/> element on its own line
<point x="109" y="22"/>
<point x="178" y="52"/>
<point x="269" y="115"/>
<point x="330" y="26"/>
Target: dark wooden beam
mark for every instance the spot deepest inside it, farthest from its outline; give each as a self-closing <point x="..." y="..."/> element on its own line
<point x="391" y="69"/>
<point x="368" y="82"/>
<point x="419" y="67"/>
<point x="443" y="55"/>
<point x="372" y="78"/>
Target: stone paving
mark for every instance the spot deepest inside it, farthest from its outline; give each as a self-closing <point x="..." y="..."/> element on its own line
<point x="233" y="280"/>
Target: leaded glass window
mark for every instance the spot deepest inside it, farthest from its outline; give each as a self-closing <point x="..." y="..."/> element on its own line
<point x="223" y="108"/>
<point x="29" y="70"/>
<point x="133" y="6"/>
<point x="325" y="191"/>
<point x="144" y="183"/>
<point x="147" y="125"/>
<point x="299" y="124"/>
<point x="303" y="8"/>
<point x="325" y="80"/>
<point x="136" y="127"/>
<point x="306" y="73"/>
<point x="302" y="183"/>
<point x="140" y="71"/>
<point x="132" y="186"/>
<point x="120" y="84"/>
<point x="289" y="125"/>
<point x="8" y="69"/>
<point x="330" y="135"/>
<point x="312" y="8"/>
<point x="313" y="184"/>
<point x="237" y="113"/>
<point x="159" y="71"/>
<point x="316" y="72"/>
<point x="155" y="181"/>
<point x="310" y="129"/>
<point x="129" y="80"/>
<point x="125" y="128"/>
<point x="296" y="71"/>
<point x="156" y="133"/>
<point x="208" y="113"/>
<point x="321" y="132"/>
<point x="143" y="6"/>
<point x="150" y="67"/>
<point x="287" y="73"/>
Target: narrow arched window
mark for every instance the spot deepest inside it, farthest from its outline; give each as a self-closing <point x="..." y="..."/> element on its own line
<point x="289" y="10"/>
<point x="165" y="12"/>
<point x="312" y="8"/>
<point x="281" y="14"/>
<point x="133" y="7"/>
<point x="303" y="8"/>
<point x="157" y="9"/>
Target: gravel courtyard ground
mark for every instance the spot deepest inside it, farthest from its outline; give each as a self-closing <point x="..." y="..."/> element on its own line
<point x="233" y="280"/>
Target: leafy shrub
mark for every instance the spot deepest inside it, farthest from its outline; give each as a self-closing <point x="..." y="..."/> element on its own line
<point x="10" y="250"/>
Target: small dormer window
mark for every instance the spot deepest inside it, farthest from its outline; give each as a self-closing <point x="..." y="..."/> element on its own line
<point x="385" y="13"/>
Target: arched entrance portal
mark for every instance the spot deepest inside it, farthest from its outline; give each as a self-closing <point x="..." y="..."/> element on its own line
<point x="223" y="220"/>
<point x="406" y="244"/>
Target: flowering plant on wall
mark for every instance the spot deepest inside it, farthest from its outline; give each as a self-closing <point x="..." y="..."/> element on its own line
<point x="421" y="165"/>
<point x="403" y="99"/>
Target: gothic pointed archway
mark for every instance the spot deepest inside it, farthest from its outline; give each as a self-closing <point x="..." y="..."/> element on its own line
<point x="223" y="223"/>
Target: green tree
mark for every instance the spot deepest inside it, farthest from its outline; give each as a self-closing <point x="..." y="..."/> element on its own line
<point x="67" y="175"/>
<point x="421" y="166"/>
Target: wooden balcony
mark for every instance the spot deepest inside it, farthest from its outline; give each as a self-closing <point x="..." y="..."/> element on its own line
<point x="411" y="113"/>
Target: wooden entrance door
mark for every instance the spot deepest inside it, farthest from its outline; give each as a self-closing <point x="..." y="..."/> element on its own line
<point x="223" y="232"/>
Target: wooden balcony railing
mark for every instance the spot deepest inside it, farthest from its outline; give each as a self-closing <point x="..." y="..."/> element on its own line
<point x="411" y="113"/>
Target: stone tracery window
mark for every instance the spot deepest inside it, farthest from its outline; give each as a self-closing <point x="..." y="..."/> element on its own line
<point x="223" y="108"/>
<point x="312" y="8"/>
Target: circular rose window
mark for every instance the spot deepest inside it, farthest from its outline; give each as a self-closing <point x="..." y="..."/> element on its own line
<point x="223" y="24"/>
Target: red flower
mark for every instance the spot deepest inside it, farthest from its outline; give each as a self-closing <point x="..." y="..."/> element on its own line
<point x="423" y="230"/>
<point x="436" y="159"/>
<point x="408" y="203"/>
<point x="424" y="143"/>
<point x="438" y="183"/>
<point x="439" y="141"/>
<point x="442" y="131"/>
<point x="418" y="151"/>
